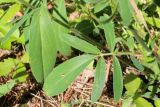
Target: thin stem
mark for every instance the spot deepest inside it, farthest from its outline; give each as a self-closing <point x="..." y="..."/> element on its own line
<point x="118" y="54"/>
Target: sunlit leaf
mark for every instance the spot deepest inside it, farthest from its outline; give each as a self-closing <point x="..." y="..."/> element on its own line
<point x="132" y="84"/>
<point x="10" y="13"/>
<point x="5" y="88"/>
<point x="140" y="102"/>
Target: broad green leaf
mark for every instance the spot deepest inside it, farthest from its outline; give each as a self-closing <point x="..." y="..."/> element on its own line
<point x="10" y="13"/>
<point x="5" y="88"/>
<point x="80" y="44"/>
<point x="7" y="66"/>
<point x="17" y="25"/>
<point x="125" y="11"/>
<point x="59" y="30"/>
<point x="64" y="74"/>
<point x="99" y="80"/>
<point x="157" y="102"/>
<point x="100" y="5"/>
<point x="109" y="33"/>
<point x="117" y="79"/>
<point x="140" y="102"/>
<point x="42" y="46"/>
<point x="132" y="84"/>
<point x="137" y="64"/>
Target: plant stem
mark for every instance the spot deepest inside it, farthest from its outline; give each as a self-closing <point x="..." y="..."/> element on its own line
<point x="117" y="54"/>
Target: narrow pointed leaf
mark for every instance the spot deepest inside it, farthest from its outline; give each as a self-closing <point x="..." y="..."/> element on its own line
<point x="99" y="80"/>
<point x="117" y="79"/>
<point x="10" y="13"/>
<point x="137" y="64"/>
<point x="109" y="33"/>
<point x="60" y="13"/>
<point x="63" y="75"/>
<point x="42" y="46"/>
<point x="17" y="25"/>
<point x="125" y="11"/>
<point x="80" y="44"/>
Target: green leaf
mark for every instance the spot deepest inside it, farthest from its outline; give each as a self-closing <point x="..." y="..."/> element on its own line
<point x="17" y="25"/>
<point x="137" y="64"/>
<point x="59" y="30"/>
<point x="7" y="66"/>
<point x="125" y="11"/>
<point x="6" y="1"/>
<point x="14" y="37"/>
<point x="153" y="21"/>
<point x="132" y="84"/>
<point x="42" y="47"/>
<point x="140" y="102"/>
<point x="64" y="74"/>
<point x="157" y="102"/>
<point x="117" y="79"/>
<point x="99" y="80"/>
<point x="10" y="13"/>
<point x="109" y="33"/>
<point x="100" y="6"/>
<point x="80" y="44"/>
<point x="20" y="74"/>
<point x="5" y="88"/>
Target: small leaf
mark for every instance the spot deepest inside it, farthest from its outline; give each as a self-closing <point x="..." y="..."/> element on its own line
<point x="7" y="66"/>
<point x="99" y="80"/>
<point x="80" y="44"/>
<point x="64" y="74"/>
<point x="100" y="6"/>
<point x="20" y="74"/>
<point x="140" y="102"/>
<point x="5" y="88"/>
<point x="117" y="79"/>
<point x="137" y="64"/>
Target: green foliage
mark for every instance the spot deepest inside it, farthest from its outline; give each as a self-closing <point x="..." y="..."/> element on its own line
<point x="105" y="29"/>
<point x="5" y="88"/>
<point x="117" y="79"/>
<point x="64" y="74"/>
<point x="99" y="80"/>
